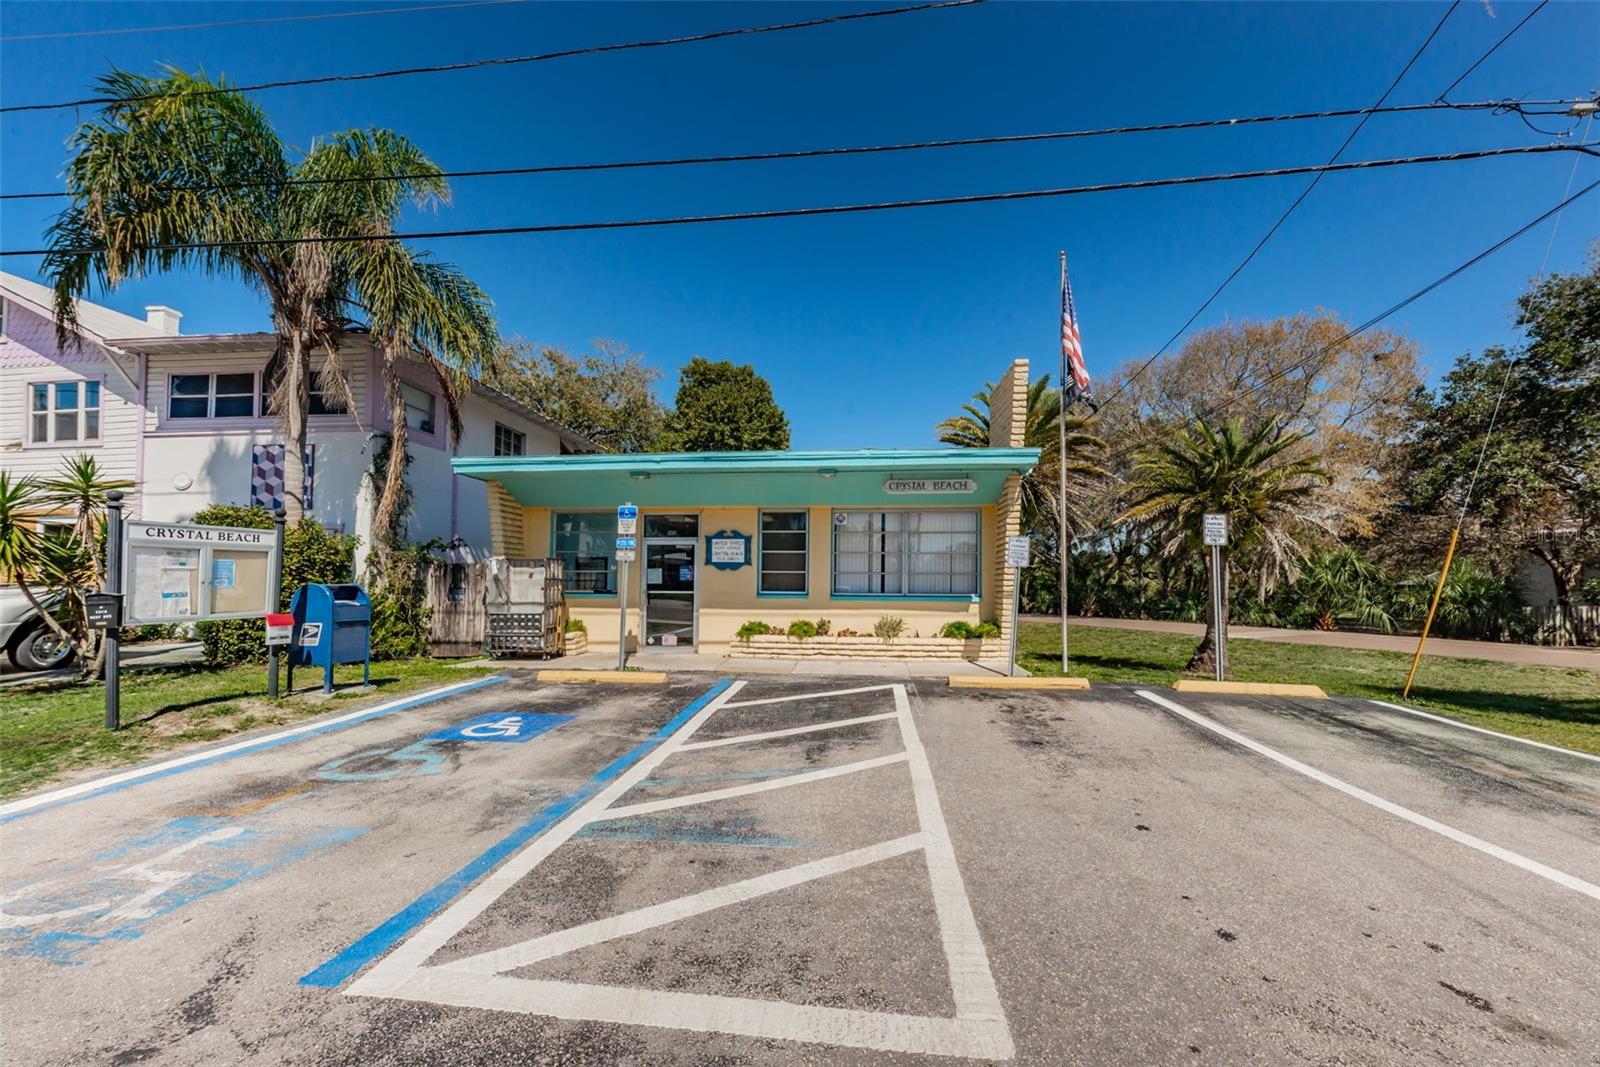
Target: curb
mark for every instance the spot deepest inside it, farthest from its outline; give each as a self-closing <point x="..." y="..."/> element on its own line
<point x="614" y="677"/>
<point x="1256" y="689"/>
<point x="972" y="681"/>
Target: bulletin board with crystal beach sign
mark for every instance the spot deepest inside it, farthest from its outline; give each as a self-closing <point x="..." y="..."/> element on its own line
<point x="181" y="573"/>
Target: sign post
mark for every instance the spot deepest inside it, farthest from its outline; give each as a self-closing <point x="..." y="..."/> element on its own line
<point x="114" y="633"/>
<point x="275" y="587"/>
<point x="1215" y="531"/>
<point x="1017" y="557"/>
<point x="627" y="552"/>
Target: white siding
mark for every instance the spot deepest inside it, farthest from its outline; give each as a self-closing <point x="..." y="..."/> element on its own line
<point x="213" y="457"/>
<point x="28" y="354"/>
<point x="479" y="415"/>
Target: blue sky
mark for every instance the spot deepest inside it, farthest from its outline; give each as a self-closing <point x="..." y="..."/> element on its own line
<point x="872" y="327"/>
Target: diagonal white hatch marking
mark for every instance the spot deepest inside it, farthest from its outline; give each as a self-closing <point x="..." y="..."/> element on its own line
<point x="977" y="1030"/>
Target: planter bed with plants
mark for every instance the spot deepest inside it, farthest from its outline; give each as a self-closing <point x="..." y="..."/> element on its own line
<point x="804" y="639"/>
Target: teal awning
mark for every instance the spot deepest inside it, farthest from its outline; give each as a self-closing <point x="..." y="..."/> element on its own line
<point x="764" y="479"/>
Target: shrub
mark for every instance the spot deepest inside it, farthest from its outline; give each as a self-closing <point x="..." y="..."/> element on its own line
<point x="889" y="627"/>
<point x="576" y="626"/>
<point x="824" y="627"/>
<point x="959" y="629"/>
<point x="986" y="629"/>
<point x="753" y="628"/>
<point x="802" y="629"/>
<point x="311" y="554"/>
<point x="400" y="612"/>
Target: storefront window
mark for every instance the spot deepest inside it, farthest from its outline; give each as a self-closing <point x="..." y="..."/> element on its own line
<point x="586" y="544"/>
<point x="783" y="552"/>
<point x="685" y="526"/>
<point x="905" y="553"/>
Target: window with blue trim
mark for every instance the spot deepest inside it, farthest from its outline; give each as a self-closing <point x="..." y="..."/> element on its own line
<point x="586" y="544"/>
<point x="783" y="553"/>
<point x="905" y="553"/>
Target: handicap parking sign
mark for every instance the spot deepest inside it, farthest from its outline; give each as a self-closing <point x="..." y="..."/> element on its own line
<point x="513" y="726"/>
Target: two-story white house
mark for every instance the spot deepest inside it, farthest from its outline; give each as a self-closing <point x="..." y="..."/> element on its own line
<point x="186" y="419"/>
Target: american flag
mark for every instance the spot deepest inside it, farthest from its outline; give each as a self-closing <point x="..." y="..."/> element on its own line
<point x="1071" y="343"/>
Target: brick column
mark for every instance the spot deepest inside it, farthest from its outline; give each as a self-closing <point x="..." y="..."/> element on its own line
<point x="1008" y="420"/>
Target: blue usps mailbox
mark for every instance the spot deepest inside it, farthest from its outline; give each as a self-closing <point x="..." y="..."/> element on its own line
<point x="332" y="624"/>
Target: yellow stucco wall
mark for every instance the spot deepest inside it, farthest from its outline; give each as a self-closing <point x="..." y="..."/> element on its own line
<point x="728" y="598"/>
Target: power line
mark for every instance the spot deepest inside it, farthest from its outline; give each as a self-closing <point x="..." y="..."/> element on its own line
<point x="1388" y="312"/>
<point x="566" y="53"/>
<point x="1494" y="48"/>
<point x="841" y="209"/>
<point x="1496" y="106"/>
<point x="1290" y="210"/>
<point x="409" y="9"/>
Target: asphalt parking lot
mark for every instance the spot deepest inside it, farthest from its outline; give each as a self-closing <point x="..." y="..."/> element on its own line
<point x="814" y="870"/>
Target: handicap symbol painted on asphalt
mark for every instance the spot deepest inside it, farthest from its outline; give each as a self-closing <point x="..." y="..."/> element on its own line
<point x="117" y="893"/>
<point x="513" y="726"/>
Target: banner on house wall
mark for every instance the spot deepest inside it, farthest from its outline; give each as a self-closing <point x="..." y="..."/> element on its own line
<point x="266" y="476"/>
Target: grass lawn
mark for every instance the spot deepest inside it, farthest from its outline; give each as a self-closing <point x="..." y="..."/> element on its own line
<point x="1556" y="705"/>
<point x="55" y="727"/>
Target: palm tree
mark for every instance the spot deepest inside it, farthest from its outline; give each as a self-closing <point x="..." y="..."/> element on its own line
<point x="1260" y="478"/>
<point x="1041" y="489"/>
<point x="175" y="174"/>
<point x="428" y="313"/>
<point x="1342" y="581"/>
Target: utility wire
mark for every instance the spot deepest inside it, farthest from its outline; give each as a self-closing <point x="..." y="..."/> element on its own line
<point x="409" y="9"/>
<point x="1220" y="406"/>
<point x="1290" y="210"/>
<point x="838" y="209"/>
<point x="1496" y="106"/>
<point x="506" y="61"/>
<point x="1494" y="48"/>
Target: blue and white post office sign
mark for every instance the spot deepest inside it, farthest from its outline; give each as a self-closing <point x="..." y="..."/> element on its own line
<point x="513" y="726"/>
<point x="728" y="550"/>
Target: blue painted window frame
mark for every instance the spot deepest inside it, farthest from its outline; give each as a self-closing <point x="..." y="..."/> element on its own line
<point x="974" y="597"/>
<point x="611" y="558"/>
<point x="761" y="534"/>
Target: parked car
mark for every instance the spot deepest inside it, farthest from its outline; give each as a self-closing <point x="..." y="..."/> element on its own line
<point x="28" y="641"/>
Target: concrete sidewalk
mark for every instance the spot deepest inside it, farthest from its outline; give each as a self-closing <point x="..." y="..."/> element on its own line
<point x="1500" y="652"/>
<point x="696" y="662"/>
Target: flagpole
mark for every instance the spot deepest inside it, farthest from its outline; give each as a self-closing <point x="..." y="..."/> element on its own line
<point x="1062" y="550"/>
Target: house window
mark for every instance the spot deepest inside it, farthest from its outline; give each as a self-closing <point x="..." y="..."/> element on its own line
<point x="320" y="402"/>
<point x="2" y="318"/>
<point x="419" y="407"/>
<point x="63" y="412"/>
<point x="905" y="553"/>
<point x="783" y="552"/>
<point x="509" y="442"/>
<point x="212" y="396"/>
<point x="586" y="544"/>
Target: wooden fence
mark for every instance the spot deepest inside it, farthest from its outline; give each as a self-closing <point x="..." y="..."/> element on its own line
<point x="1552" y="627"/>
<point x="455" y="594"/>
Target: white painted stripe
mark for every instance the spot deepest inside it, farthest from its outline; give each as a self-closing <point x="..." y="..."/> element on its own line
<point x="637" y="921"/>
<point x="983" y="1039"/>
<point x="807" y="696"/>
<point x="394" y="970"/>
<point x="792" y="731"/>
<point x="971" y="982"/>
<point x="1492" y="733"/>
<point x="34" y="801"/>
<point x="649" y="807"/>
<point x="1561" y="878"/>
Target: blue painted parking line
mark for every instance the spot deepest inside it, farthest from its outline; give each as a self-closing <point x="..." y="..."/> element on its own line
<point x="18" y="809"/>
<point x="399" y="925"/>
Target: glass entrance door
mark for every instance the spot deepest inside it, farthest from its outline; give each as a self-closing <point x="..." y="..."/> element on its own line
<point x="669" y="583"/>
